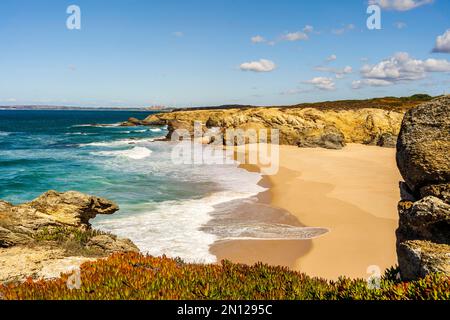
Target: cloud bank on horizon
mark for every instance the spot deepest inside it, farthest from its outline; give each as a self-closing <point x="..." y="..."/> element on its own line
<point x="209" y="52"/>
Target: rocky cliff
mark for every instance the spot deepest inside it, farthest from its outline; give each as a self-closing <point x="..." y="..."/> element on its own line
<point x="423" y="157"/>
<point x="328" y="125"/>
<point x="52" y="233"/>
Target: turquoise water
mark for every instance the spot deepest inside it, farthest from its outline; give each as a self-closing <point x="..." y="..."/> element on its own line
<point x="164" y="206"/>
<point x="80" y="150"/>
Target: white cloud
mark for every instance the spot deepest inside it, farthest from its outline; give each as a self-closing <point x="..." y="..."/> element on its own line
<point x="443" y="43"/>
<point x="400" y="5"/>
<point x="178" y="34"/>
<point x="308" y="29"/>
<point x="400" y="25"/>
<point x="348" y="69"/>
<point x="343" y="30"/>
<point x="437" y="65"/>
<point x="402" y="67"/>
<point x="288" y="36"/>
<point x="258" y="39"/>
<point x="263" y="65"/>
<point x="358" y="84"/>
<point x="322" y="83"/>
<point x="333" y="57"/>
<point x="398" y="68"/>
<point x="296" y="91"/>
<point x="295" y="36"/>
<point x="339" y="73"/>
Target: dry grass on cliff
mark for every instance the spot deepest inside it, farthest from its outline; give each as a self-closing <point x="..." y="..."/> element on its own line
<point x="387" y="103"/>
<point x="134" y="276"/>
<point x="73" y="241"/>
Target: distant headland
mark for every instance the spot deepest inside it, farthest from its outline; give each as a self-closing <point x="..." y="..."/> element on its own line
<point x="77" y="108"/>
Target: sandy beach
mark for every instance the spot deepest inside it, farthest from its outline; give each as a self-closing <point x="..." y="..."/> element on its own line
<point x="352" y="192"/>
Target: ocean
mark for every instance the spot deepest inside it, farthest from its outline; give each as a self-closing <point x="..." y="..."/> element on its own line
<point x="165" y="208"/>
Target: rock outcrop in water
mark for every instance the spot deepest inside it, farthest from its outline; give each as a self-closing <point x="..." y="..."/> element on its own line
<point x="327" y="125"/>
<point x="131" y="122"/>
<point x="53" y="231"/>
<point x="423" y="157"/>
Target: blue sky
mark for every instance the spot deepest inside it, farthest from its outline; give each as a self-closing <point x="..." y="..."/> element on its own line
<point x="199" y="52"/>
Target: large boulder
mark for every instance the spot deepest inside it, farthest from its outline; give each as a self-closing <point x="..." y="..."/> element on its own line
<point x="423" y="147"/>
<point x="426" y="219"/>
<point x="50" y="213"/>
<point x="109" y="244"/>
<point x="423" y="157"/>
<point x="420" y="258"/>
<point x="54" y="222"/>
<point x="329" y="138"/>
<point x="387" y="140"/>
<point x="441" y="191"/>
<point x="72" y="208"/>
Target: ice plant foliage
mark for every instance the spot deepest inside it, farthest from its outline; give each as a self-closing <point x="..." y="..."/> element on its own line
<point x="135" y="276"/>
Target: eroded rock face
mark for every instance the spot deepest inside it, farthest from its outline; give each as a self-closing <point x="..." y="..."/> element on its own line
<point x="72" y="208"/>
<point x="423" y="157"/>
<point x="387" y="140"/>
<point x="55" y="222"/>
<point x="303" y="127"/>
<point x="20" y="263"/>
<point x="330" y="138"/>
<point x="420" y="258"/>
<point x="441" y="191"/>
<point x="110" y="244"/>
<point x="423" y="148"/>
<point x="426" y="219"/>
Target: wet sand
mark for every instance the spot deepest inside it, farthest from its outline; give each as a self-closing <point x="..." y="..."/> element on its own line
<point x="352" y="192"/>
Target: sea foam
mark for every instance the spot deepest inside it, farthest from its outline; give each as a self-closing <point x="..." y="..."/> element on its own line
<point x="137" y="153"/>
<point x="116" y="143"/>
<point x="78" y="133"/>
<point x="172" y="227"/>
<point x="110" y="125"/>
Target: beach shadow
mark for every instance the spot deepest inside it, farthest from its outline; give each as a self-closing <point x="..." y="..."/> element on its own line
<point x="276" y="253"/>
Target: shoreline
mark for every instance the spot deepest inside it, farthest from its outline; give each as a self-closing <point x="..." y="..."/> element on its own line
<point x="274" y="252"/>
<point x="352" y="192"/>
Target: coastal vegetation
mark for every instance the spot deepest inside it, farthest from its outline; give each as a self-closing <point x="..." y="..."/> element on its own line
<point x="386" y="103"/>
<point x="133" y="276"/>
<point x="75" y="241"/>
